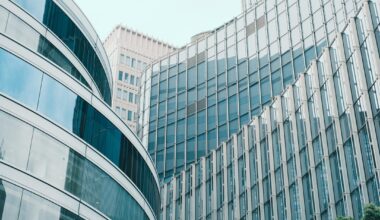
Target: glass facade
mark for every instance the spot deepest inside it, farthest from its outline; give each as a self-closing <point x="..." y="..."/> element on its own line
<point x="18" y="203"/>
<point x="48" y="159"/>
<point x="63" y="153"/>
<point x="220" y="82"/>
<point x="77" y="116"/>
<point x="310" y="154"/>
<point x="57" y="21"/>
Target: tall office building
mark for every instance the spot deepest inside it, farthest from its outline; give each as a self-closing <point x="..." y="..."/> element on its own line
<point x="64" y="154"/>
<point x="129" y="52"/>
<point x="197" y="97"/>
<point x="313" y="153"/>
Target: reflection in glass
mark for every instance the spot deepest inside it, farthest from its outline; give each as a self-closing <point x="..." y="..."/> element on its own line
<point x="10" y="196"/>
<point x="14" y="149"/>
<point x="22" y="80"/>
<point x="52" y="161"/>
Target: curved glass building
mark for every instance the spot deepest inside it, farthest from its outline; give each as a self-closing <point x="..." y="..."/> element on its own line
<point x="313" y="153"/>
<point x="199" y="96"/>
<point x="63" y="153"/>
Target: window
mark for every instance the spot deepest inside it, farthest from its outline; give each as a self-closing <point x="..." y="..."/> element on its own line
<point x="122" y="60"/>
<point x="118" y="110"/>
<point x="125" y="95"/>
<point x="118" y="93"/>
<point x="139" y="64"/>
<point x="130" y="113"/>
<point x="137" y="99"/>
<point x="120" y="75"/>
<point x="128" y="61"/>
<point x="130" y="97"/>
<point x="126" y="76"/>
<point x="123" y="113"/>
<point x="133" y="64"/>
<point x="132" y="81"/>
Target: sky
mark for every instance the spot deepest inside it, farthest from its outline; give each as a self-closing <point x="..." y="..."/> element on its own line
<point x="173" y="21"/>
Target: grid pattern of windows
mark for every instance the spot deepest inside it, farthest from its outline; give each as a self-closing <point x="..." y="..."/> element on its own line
<point x="311" y="154"/>
<point x="128" y="78"/>
<point x="226" y="78"/>
<point x="132" y="62"/>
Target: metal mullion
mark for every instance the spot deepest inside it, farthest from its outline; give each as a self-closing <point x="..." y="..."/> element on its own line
<point x="350" y="108"/>
<point x="335" y="115"/>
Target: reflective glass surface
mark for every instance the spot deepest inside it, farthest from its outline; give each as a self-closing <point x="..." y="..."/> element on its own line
<point x="18" y="203"/>
<point x="51" y="15"/>
<point x="51" y="99"/>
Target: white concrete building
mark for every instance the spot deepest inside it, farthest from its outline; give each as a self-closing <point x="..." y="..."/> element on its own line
<point x="129" y="52"/>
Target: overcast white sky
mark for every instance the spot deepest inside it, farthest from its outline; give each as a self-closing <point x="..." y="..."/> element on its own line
<point x="173" y="21"/>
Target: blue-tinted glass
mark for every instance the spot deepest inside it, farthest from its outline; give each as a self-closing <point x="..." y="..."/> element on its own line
<point x="191" y="125"/>
<point x="264" y="72"/>
<point x="181" y="129"/>
<point x="48" y="50"/>
<point x="287" y="73"/>
<point x="35" y="8"/>
<point x="244" y="102"/>
<point x="211" y="139"/>
<point x="163" y="89"/>
<point x="265" y="90"/>
<point x="276" y="83"/>
<point x="162" y="109"/>
<point x="234" y="126"/>
<point x="232" y="90"/>
<point x="244" y="119"/>
<point x="255" y="96"/>
<point x="242" y="70"/>
<point x="154" y="94"/>
<point x="192" y="96"/>
<point x="254" y="77"/>
<point x="222" y="95"/>
<point x="222" y="112"/>
<point x="53" y="96"/>
<point x="160" y="139"/>
<point x="211" y="69"/>
<point x="253" y="65"/>
<point x="201" y="146"/>
<point x="47" y="12"/>
<point x="19" y="79"/>
<point x="201" y="122"/>
<point x="201" y="73"/>
<point x="181" y="100"/>
<point x="170" y="134"/>
<point x="211" y="117"/>
<point x="221" y="81"/>
<point x="171" y="105"/>
<point x="75" y="115"/>
<point x="211" y="100"/>
<point x="231" y="75"/>
<point x="180" y="154"/>
<point x="190" y="150"/>
<point x="211" y="86"/>
<point x="223" y="133"/>
<point x="221" y="62"/>
<point x="232" y="107"/>
<point x="191" y="77"/>
<point x="309" y="55"/>
<point x="181" y="81"/>
<point x="169" y="159"/>
<point x="202" y="91"/>
<point x="172" y="86"/>
<point x="299" y="65"/>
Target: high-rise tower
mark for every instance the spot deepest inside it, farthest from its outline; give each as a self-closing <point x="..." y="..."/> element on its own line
<point x="64" y="154"/>
<point x="197" y="97"/>
<point x="130" y="52"/>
